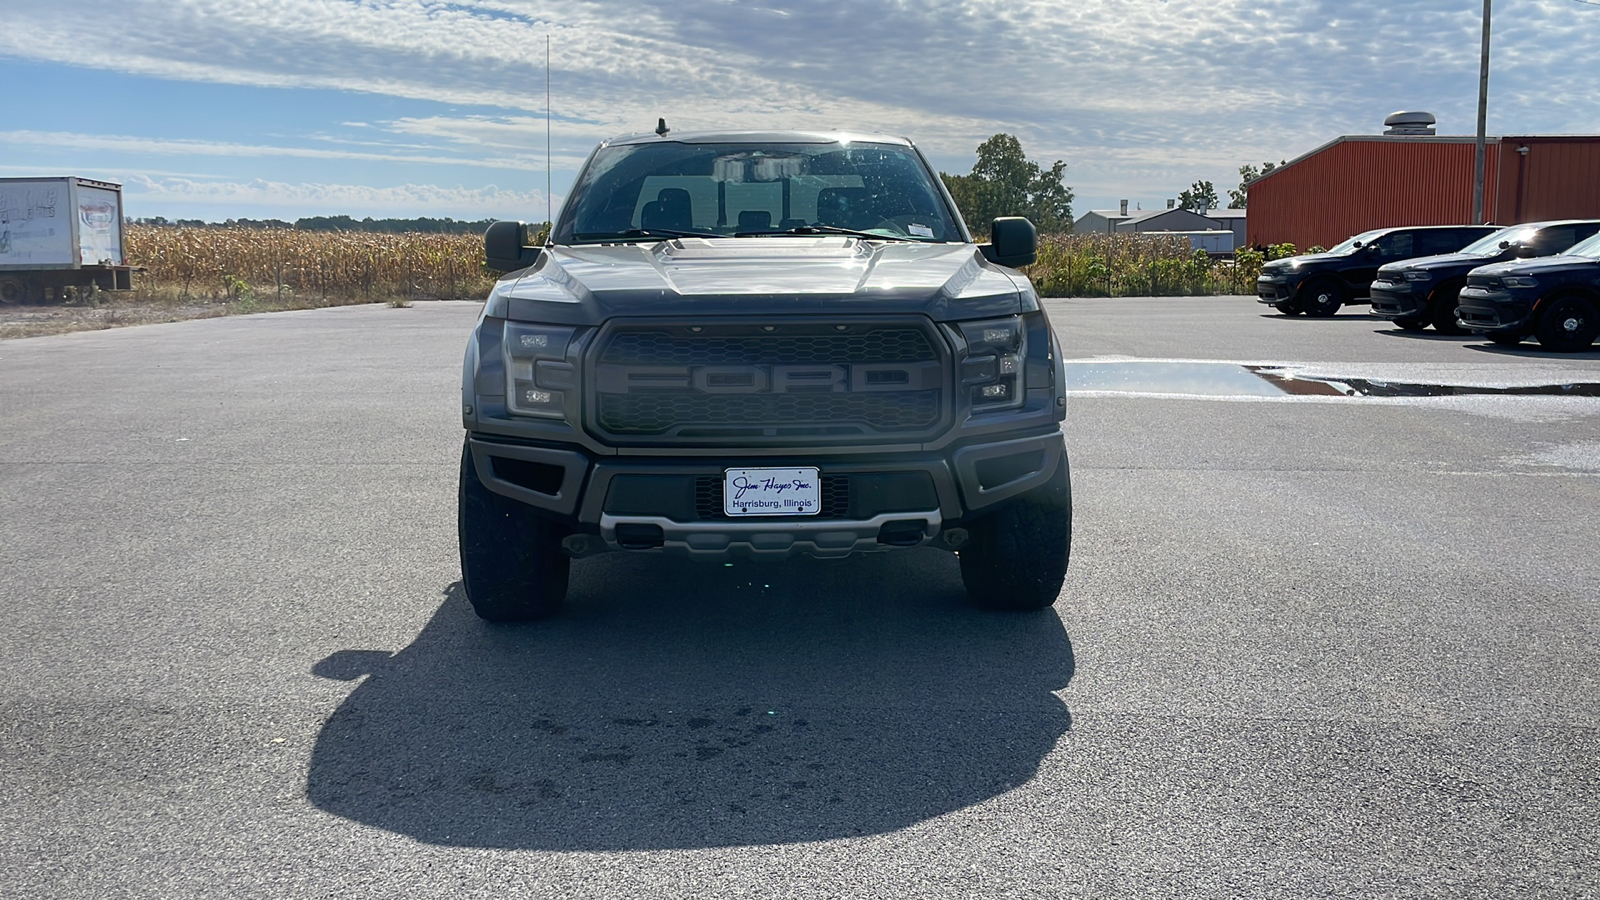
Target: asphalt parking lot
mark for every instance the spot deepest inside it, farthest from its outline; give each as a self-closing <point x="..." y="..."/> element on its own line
<point x="1321" y="642"/>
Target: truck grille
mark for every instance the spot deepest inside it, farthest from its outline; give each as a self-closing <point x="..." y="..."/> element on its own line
<point x="772" y="380"/>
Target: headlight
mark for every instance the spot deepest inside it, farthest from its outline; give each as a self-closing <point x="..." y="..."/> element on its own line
<point x="1518" y="281"/>
<point x="1414" y="275"/>
<point x="991" y="369"/>
<point x="537" y="373"/>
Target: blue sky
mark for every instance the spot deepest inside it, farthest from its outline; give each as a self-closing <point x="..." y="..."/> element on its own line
<point x="219" y="109"/>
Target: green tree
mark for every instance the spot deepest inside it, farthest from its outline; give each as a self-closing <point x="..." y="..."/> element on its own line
<point x="1004" y="182"/>
<point x="1201" y="196"/>
<point x="1248" y="173"/>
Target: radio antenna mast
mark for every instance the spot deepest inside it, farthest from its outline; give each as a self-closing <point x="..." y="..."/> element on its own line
<point x="549" y="208"/>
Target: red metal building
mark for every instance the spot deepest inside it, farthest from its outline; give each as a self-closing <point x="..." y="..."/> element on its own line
<point x="1360" y="182"/>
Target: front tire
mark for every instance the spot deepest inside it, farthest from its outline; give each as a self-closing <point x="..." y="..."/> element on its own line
<point x="1408" y="323"/>
<point x="1287" y="307"/>
<point x="1017" y="555"/>
<point x="511" y="561"/>
<point x="1322" y="298"/>
<point x="1568" y="325"/>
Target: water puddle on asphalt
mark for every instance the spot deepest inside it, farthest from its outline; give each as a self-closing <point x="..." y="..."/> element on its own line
<point x="1217" y="379"/>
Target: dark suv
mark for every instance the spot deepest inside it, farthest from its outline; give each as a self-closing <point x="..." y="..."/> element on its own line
<point x="1317" y="284"/>
<point x="754" y="345"/>
<point x="1419" y="292"/>
<point x="1555" y="298"/>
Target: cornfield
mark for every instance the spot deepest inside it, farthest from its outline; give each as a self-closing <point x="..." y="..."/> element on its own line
<point x="317" y="267"/>
<point x="1137" y="265"/>
<point x="294" y="267"/>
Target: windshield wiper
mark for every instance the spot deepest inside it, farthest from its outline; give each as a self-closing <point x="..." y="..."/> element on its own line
<point x="827" y="229"/>
<point x="639" y="234"/>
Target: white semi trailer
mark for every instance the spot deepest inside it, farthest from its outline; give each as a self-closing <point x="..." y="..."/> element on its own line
<point x="57" y="233"/>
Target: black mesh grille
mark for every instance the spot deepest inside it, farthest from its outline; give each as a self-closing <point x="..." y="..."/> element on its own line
<point x="674" y="409"/>
<point x="656" y="413"/>
<point x="835" y="498"/>
<point x="668" y="348"/>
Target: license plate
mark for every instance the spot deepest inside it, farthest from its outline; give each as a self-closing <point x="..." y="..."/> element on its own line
<point x="771" y="492"/>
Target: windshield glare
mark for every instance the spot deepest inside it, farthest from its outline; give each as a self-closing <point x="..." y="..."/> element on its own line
<point x="1348" y="245"/>
<point x="1489" y="245"/>
<point x="644" y="191"/>
<point x="1589" y="248"/>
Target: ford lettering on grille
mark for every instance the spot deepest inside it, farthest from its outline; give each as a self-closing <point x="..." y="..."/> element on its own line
<point x="775" y="379"/>
<point x="767" y="380"/>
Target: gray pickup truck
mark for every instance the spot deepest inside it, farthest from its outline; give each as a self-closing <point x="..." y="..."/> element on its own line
<point x="754" y="345"/>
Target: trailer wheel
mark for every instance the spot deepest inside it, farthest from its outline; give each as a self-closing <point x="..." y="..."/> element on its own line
<point x="13" y="289"/>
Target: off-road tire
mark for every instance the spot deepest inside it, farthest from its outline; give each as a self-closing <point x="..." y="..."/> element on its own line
<point x="1016" y="557"/>
<point x="1321" y="297"/>
<point x="1568" y="325"/>
<point x="511" y="561"/>
<point x="1287" y="307"/>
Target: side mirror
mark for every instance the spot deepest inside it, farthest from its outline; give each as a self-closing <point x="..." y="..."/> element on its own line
<point x="1357" y="245"/>
<point x="1013" y="242"/>
<point x="505" y="247"/>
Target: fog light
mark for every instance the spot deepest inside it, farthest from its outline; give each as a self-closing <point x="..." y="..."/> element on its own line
<point x="533" y="341"/>
<point x="543" y="398"/>
<point x="993" y="391"/>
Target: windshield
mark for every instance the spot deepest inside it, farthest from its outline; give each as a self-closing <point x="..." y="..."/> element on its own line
<point x="1491" y="244"/>
<point x="659" y="190"/>
<point x="1589" y="248"/>
<point x="1348" y="245"/>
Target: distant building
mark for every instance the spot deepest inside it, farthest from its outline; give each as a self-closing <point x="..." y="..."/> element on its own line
<point x="1411" y="176"/>
<point x="1233" y="220"/>
<point x="1171" y="219"/>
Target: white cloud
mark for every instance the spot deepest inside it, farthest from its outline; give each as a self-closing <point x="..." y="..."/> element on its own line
<point x="192" y="148"/>
<point x="261" y="199"/>
<point x="1127" y="91"/>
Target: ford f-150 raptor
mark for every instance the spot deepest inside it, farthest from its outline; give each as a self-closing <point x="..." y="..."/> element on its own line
<point x="751" y="345"/>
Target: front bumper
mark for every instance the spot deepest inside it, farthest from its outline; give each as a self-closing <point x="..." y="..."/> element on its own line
<point x="1495" y="312"/>
<point x="1393" y="300"/>
<point x="673" y="505"/>
<point x="1276" y="288"/>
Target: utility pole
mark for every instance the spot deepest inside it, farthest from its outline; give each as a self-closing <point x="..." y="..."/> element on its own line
<point x="1483" y="121"/>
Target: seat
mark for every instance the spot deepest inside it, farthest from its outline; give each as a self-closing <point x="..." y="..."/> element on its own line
<point x="755" y="220"/>
<point x="670" y="211"/>
<point x="844" y="207"/>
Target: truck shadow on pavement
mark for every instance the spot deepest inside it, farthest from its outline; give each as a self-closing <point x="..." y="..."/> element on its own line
<point x="678" y="705"/>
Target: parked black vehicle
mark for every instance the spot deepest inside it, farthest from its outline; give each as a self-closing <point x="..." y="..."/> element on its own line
<point x="1555" y="299"/>
<point x="1420" y="292"/>
<point x="1317" y="284"/>
<point x="757" y="345"/>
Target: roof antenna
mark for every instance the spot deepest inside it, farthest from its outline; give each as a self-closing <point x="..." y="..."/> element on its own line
<point x="549" y="204"/>
<point x="661" y="127"/>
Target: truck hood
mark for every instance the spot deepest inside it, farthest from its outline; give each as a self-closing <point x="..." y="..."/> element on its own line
<point x="585" y="285"/>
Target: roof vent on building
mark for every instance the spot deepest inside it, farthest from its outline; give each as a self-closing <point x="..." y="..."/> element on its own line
<point x="1404" y="122"/>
